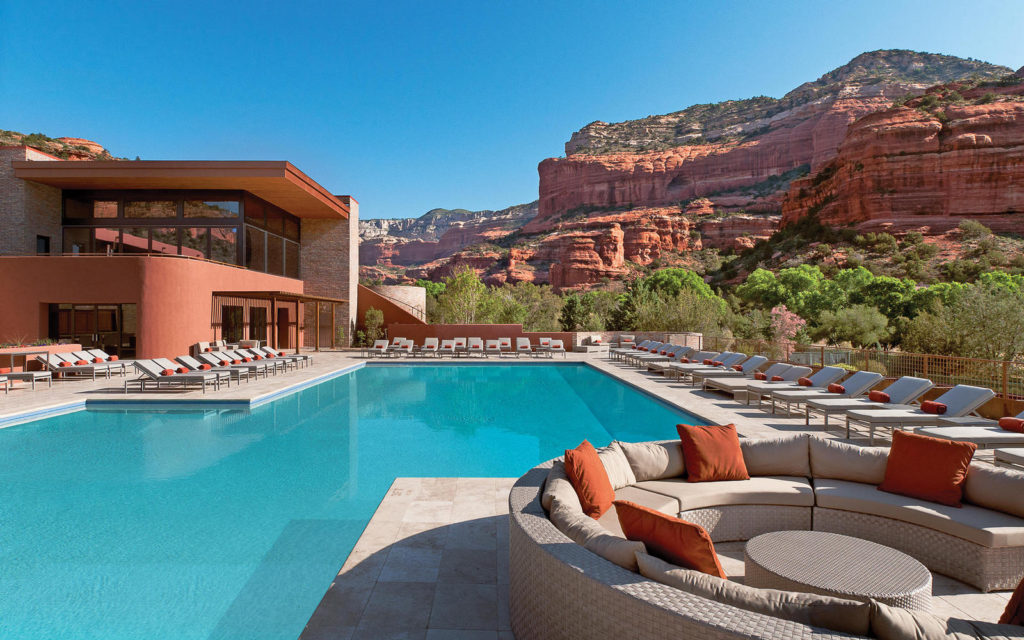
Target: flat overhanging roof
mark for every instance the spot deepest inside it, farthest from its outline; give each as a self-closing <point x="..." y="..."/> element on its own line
<point x="277" y="182"/>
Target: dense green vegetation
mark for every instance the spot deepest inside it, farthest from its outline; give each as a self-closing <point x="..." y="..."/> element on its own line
<point x="851" y="307"/>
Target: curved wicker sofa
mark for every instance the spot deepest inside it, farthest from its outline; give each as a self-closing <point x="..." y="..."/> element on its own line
<point x="559" y="589"/>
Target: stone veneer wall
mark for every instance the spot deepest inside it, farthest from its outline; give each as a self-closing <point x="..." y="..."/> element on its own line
<point x="27" y="209"/>
<point x="330" y="267"/>
<point x="412" y="298"/>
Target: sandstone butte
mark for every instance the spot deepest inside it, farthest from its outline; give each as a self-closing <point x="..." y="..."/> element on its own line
<point x="904" y="168"/>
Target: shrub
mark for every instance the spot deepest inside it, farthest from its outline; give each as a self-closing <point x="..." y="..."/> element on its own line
<point x="973" y="230"/>
<point x="374" y="322"/>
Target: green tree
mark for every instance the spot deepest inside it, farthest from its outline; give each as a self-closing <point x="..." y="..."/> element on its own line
<point x="762" y="289"/>
<point x="373" y="320"/>
<point x="669" y="282"/>
<point x="575" y="312"/>
<point x="463" y="299"/>
<point x="433" y="288"/>
<point x="983" y="322"/>
<point x="860" y="325"/>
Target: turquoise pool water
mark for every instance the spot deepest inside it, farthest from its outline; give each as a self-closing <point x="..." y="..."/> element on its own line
<point x="231" y="524"/>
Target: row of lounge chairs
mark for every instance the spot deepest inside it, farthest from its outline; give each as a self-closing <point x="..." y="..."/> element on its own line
<point x="211" y="368"/>
<point x="829" y="391"/>
<point x="501" y="347"/>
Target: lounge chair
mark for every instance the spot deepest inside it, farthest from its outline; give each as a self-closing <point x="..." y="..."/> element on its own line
<point x="115" y="365"/>
<point x="429" y="346"/>
<point x="556" y="346"/>
<point x="785" y="380"/>
<point x="282" y="363"/>
<point x="543" y="344"/>
<point x="663" y="354"/>
<point x="902" y="393"/>
<point x="626" y="341"/>
<point x="523" y="346"/>
<point x="63" y="366"/>
<point x="617" y="352"/>
<point x="460" y="346"/>
<point x="447" y="348"/>
<point x="661" y="365"/>
<point x="736" y="385"/>
<point x="960" y="401"/>
<point x="223" y="361"/>
<point x="6" y="384"/>
<point x="818" y="380"/>
<point x="724" y="362"/>
<point x="154" y="373"/>
<point x="854" y="386"/>
<point x="397" y="342"/>
<point x="179" y="368"/>
<point x="691" y="363"/>
<point x="987" y="435"/>
<point x="104" y="356"/>
<point x="745" y="369"/>
<point x="475" y="346"/>
<point x="406" y="348"/>
<point x="492" y="346"/>
<point x="506" y="347"/>
<point x="303" y="359"/>
<point x="234" y="373"/>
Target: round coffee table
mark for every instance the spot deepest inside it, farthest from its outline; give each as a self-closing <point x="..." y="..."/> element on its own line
<point x="837" y="565"/>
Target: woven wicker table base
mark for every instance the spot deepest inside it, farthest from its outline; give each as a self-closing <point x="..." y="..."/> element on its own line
<point x="837" y="565"/>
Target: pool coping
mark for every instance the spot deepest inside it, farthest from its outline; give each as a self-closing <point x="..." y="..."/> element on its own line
<point x="259" y="400"/>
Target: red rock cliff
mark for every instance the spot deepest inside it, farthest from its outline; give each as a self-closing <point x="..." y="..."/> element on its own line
<point x="925" y="167"/>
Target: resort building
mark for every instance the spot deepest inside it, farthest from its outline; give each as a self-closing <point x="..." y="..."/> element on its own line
<point x="144" y="258"/>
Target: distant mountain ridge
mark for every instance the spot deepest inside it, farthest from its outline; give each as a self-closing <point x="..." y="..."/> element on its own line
<point x="739" y="120"/>
<point x="63" y="148"/>
<point x="433" y="224"/>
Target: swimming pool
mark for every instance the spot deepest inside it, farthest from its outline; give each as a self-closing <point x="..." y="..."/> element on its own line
<point x="231" y="523"/>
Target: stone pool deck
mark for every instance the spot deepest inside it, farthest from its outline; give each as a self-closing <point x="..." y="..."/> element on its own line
<point x="433" y="561"/>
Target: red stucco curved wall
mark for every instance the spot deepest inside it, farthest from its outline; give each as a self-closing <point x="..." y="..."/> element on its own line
<point x="173" y="295"/>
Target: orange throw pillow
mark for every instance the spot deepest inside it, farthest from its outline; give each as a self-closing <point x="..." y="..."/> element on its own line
<point x="712" y="453"/>
<point x="1014" y="611"/>
<point x="760" y="376"/>
<point x="708" y="361"/>
<point x="930" y="406"/>
<point x="167" y="372"/>
<point x="928" y="468"/>
<point x="205" y="367"/>
<point x="112" y="358"/>
<point x="589" y="478"/>
<point x="805" y="382"/>
<point x="737" y="367"/>
<point x="673" y="540"/>
<point x="716" y="363"/>
<point x="81" y="362"/>
<point x="65" y="364"/>
<point x="878" y="396"/>
<point x="1009" y="424"/>
<point x="836" y="388"/>
<point x="4" y="370"/>
<point x="777" y="379"/>
<point x="97" y="360"/>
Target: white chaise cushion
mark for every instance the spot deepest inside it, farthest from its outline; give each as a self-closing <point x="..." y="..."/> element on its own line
<point x="774" y="490"/>
<point x="783" y="456"/>
<point x="982" y="526"/>
<point x="654" y="460"/>
<point x="831" y="459"/>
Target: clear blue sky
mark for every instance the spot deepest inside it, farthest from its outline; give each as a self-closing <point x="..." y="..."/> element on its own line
<point x="414" y="105"/>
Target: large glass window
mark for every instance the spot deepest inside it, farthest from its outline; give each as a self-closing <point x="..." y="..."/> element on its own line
<point x="291" y="259"/>
<point x="211" y="208"/>
<point x="195" y="242"/>
<point x="165" y="240"/>
<point x="232" y="323"/>
<point x="77" y="240"/>
<point x="151" y="209"/>
<point x="106" y="240"/>
<point x="224" y="244"/>
<point x="255" y="249"/>
<point x="258" y="324"/>
<point x="275" y="255"/>
<point x="135" y="240"/>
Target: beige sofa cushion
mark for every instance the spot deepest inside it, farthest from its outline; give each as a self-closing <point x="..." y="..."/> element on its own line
<point x="979" y="525"/>
<point x="654" y="460"/>
<point x="777" y="490"/>
<point x="586" y="532"/>
<point x="616" y="466"/>
<point x="836" y="614"/>
<point x="894" y="623"/>
<point x="831" y="459"/>
<point x="658" y="502"/>
<point x="995" y="488"/>
<point x="785" y="456"/>
<point x="558" y="485"/>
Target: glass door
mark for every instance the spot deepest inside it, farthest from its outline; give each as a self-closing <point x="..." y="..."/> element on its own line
<point x="110" y="327"/>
